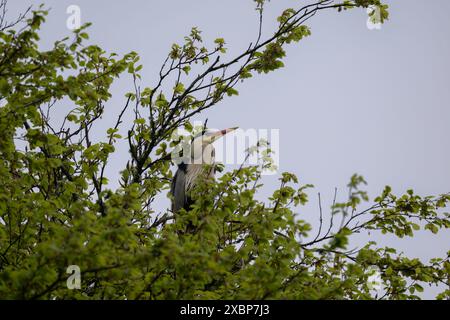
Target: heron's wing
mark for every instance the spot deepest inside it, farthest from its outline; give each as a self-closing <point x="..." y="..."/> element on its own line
<point x="177" y="190"/>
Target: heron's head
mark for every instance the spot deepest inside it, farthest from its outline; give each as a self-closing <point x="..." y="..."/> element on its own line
<point x="202" y="149"/>
<point x="209" y="136"/>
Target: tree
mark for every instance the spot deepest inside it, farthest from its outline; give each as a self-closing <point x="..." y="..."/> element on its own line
<point x="56" y="209"/>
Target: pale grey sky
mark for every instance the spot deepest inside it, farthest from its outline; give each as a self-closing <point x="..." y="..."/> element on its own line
<point x="349" y="100"/>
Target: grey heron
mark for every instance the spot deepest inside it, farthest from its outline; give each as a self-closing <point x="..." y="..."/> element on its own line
<point x="202" y="156"/>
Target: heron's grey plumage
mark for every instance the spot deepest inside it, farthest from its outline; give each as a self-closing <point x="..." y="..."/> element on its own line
<point x="183" y="182"/>
<point x="178" y="190"/>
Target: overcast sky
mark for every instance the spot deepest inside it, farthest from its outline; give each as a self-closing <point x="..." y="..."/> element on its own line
<point x="349" y="100"/>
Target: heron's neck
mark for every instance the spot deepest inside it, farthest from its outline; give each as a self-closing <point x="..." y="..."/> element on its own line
<point x="203" y="154"/>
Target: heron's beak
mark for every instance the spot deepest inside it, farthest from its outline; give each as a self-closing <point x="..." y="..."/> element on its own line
<point x="221" y="133"/>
